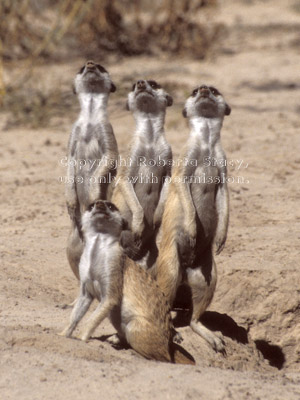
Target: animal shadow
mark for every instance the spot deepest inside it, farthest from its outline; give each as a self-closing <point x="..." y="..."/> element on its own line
<point x="215" y="321"/>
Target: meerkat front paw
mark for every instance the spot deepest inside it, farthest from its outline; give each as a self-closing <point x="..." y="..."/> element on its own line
<point x="138" y="222"/>
<point x="72" y="211"/>
<point x="177" y="338"/>
<point x="186" y="247"/>
<point x="219" y="245"/>
<point x="189" y="224"/>
<point x="157" y="219"/>
<point x="131" y="244"/>
<point x="64" y="332"/>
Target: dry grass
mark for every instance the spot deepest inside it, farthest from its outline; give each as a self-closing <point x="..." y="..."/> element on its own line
<point x="40" y="31"/>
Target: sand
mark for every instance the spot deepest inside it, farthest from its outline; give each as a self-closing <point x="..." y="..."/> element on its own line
<point x="256" y="304"/>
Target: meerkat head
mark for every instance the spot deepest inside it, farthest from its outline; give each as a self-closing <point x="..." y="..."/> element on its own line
<point x="103" y="217"/>
<point x="148" y="97"/>
<point x="206" y="101"/>
<point x="93" y="78"/>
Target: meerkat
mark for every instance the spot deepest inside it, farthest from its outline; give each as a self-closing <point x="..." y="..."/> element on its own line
<point x="92" y="152"/>
<point x="196" y="212"/>
<point x="142" y="183"/>
<point x="137" y="308"/>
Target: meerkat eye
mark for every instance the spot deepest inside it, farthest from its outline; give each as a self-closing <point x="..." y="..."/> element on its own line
<point x="101" y="69"/>
<point x="91" y="206"/>
<point x="154" y="84"/>
<point x="214" y="91"/>
<point x="111" y="206"/>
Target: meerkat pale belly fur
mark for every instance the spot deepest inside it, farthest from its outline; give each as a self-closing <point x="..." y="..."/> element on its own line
<point x="127" y="294"/>
<point x="92" y="152"/>
<point x="141" y="190"/>
<point x="196" y="212"/>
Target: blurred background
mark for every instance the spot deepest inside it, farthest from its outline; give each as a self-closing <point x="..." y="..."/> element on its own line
<point x="43" y="32"/>
<point x="40" y="34"/>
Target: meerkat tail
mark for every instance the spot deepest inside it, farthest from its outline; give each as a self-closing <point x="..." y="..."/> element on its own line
<point x="180" y="356"/>
<point x="147" y="340"/>
<point x="153" y="344"/>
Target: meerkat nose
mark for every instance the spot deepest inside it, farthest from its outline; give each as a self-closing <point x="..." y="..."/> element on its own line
<point x="100" y="205"/>
<point x="90" y="64"/>
<point x="141" y="84"/>
<point x="204" y="90"/>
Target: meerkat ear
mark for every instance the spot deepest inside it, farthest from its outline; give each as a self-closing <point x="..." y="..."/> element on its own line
<point x="113" y="87"/>
<point x="227" y="109"/>
<point x="127" y="105"/>
<point x="184" y="113"/>
<point x="125" y="226"/>
<point x="169" y="100"/>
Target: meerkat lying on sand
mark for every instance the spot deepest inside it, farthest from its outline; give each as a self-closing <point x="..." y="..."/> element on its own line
<point x="142" y="185"/>
<point x="127" y="294"/>
<point x="92" y="152"/>
<point x="196" y="212"/>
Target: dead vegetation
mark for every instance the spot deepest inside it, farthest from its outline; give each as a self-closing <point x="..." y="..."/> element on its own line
<point x="34" y="32"/>
<point x="36" y="29"/>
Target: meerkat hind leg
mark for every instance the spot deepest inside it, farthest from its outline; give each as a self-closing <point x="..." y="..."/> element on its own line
<point x="202" y="294"/>
<point x="216" y="342"/>
<point x="81" y="306"/>
<point x="102" y="311"/>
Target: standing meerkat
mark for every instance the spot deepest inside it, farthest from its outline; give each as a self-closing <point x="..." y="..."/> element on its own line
<point x="92" y="152"/>
<point x="127" y="293"/>
<point x="142" y="185"/>
<point x="196" y="212"/>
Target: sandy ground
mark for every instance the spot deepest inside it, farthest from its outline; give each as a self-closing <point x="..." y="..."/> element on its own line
<point x="256" y="304"/>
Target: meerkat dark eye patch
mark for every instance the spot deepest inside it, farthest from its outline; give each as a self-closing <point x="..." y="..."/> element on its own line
<point x="101" y="69"/>
<point x="91" y="206"/>
<point x="194" y="92"/>
<point x="184" y="113"/>
<point x="133" y="87"/>
<point x="111" y="206"/>
<point x="154" y="84"/>
<point x="214" y="91"/>
<point x="81" y="70"/>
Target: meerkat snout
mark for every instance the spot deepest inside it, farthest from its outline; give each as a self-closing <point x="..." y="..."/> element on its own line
<point x="141" y="85"/>
<point x="204" y="91"/>
<point x="90" y="65"/>
<point x="103" y="217"/>
<point x="93" y="78"/>
<point x="100" y="206"/>
<point x="148" y="96"/>
<point x="206" y="101"/>
<point x="103" y="207"/>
